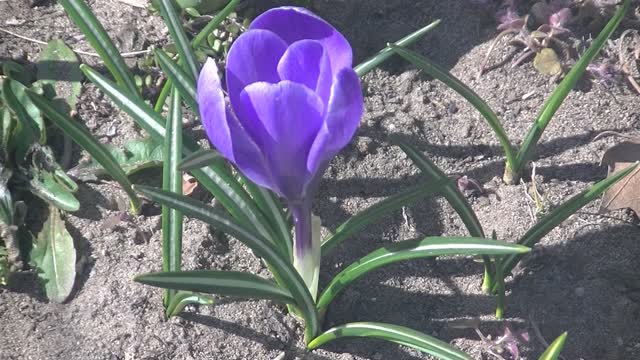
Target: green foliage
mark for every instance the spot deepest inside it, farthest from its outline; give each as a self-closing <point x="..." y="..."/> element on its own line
<point x="29" y="164"/>
<point x="554" y="350"/>
<point x="515" y="162"/>
<point x="137" y="155"/>
<point x="54" y="257"/>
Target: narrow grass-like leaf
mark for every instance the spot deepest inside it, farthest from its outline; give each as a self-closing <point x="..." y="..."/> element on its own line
<point x="414" y="249"/>
<point x="45" y="185"/>
<point x="561" y="213"/>
<point x="227" y="283"/>
<point x="83" y="138"/>
<point x="172" y="182"/>
<point x="554" y="350"/>
<point x="381" y="209"/>
<point x="82" y="16"/>
<point x="364" y="67"/>
<point x="272" y="210"/>
<point x="214" y="23"/>
<point x="216" y="178"/>
<point x="451" y="192"/>
<point x="199" y="159"/>
<point x="564" y="88"/>
<point x="457" y="201"/>
<point x="439" y="73"/>
<point x="195" y="43"/>
<point x="179" y="37"/>
<point x="179" y="78"/>
<point x="260" y="246"/>
<point x="183" y="298"/>
<point x="393" y="333"/>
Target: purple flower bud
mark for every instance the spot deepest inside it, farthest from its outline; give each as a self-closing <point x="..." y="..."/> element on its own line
<point x="294" y="100"/>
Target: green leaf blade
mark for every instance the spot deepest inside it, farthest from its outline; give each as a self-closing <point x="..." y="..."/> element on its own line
<point x="554" y="350"/>
<point x="179" y="37"/>
<point x="463" y="90"/>
<point x="172" y="182"/>
<point x="393" y="333"/>
<point x="451" y="192"/>
<point x="363" y="68"/>
<point x="184" y="298"/>
<point x="414" y="249"/>
<point x="55" y="258"/>
<point x="260" y="245"/>
<point x="83" y="138"/>
<point x="380" y="209"/>
<point x="215" y="178"/>
<point x="561" y="213"/>
<point x="227" y="283"/>
<point x="83" y="17"/>
<point x="556" y="99"/>
<point x="58" y="70"/>
<point x="180" y="79"/>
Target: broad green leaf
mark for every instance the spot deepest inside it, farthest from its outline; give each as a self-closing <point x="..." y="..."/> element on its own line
<point x="554" y="350"/>
<point x="561" y="213"/>
<point x="393" y="333"/>
<point x="138" y="155"/>
<point x="364" y="67"/>
<point x="414" y="249"/>
<point x="227" y="283"/>
<point x="47" y="187"/>
<point x="179" y="37"/>
<point x="55" y="257"/>
<point x="6" y="132"/>
<point x="199" y="159"/>
<point x="216" y="178"/>
<point x="179" y="78"/>
<point x="564" y="88"/>
<point x="58" y="71"/>
<point x="172" y="182"/>
<point x="83" y="138"/>
<point x="6" y="201"/>
<point x="183" y="298"/>
<point x="458" y="86"/>
<point x="31" y="125"/>
<point x="81" y="15"/>
<point x="381" y="209"/>
<point x="282" y="267"/>
<point x="15" y="71"/>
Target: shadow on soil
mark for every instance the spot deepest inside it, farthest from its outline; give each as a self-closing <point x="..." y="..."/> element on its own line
<point x="586" y="285"/>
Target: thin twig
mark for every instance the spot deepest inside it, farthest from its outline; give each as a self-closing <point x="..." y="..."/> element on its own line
<point x="125" y="54"/>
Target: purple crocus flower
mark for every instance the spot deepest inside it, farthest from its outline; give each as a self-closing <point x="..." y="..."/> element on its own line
<point x="294" y="102"/>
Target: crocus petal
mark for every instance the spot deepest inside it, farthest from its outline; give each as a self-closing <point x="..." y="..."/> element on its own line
<point x="253" y="57"/>
<point x="291" y="115"/>
<point x="306" y="62"/>
<point x="294" y="23"/>
<point x="341" y="119"/>
<point x="224" y="130"/>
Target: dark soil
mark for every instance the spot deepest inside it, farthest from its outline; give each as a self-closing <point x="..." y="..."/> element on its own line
<point x="582" y="278"/>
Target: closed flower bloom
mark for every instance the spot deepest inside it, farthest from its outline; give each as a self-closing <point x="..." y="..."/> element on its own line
<point x="294" y="102"/>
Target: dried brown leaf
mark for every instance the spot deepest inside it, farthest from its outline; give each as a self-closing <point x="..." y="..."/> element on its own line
<point x="626" y="193"/>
